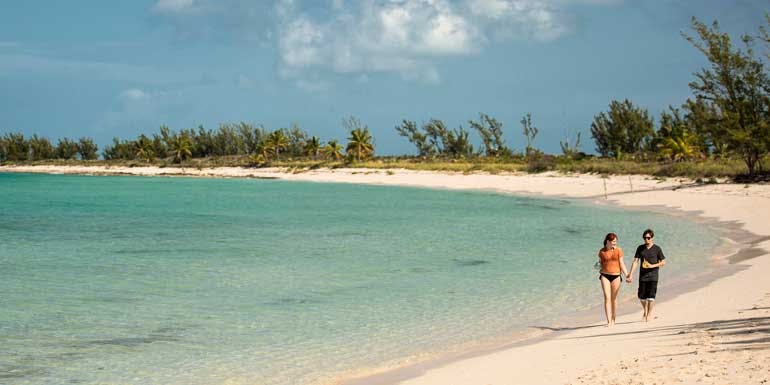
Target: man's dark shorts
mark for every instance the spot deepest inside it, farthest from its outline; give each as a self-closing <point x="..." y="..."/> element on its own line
<point x="647" y="290"/>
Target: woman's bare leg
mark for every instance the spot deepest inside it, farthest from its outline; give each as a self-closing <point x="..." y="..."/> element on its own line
<point x="607" y="291"/>
<point x="615" y="289"/>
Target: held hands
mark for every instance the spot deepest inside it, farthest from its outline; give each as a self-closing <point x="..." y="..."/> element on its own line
<point x="629" y="279"/>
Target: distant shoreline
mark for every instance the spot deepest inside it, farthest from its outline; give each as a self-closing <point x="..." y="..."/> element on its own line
<point x="565" y="358"/>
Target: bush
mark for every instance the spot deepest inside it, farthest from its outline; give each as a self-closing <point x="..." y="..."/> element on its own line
<point x="540" y="162"/>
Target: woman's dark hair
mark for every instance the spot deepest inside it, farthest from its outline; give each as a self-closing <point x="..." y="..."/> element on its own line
<point x="648" y="232"/>
<point x="609" y="237"/>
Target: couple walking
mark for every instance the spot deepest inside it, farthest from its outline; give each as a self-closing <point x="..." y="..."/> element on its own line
<point x="651" y="258"/>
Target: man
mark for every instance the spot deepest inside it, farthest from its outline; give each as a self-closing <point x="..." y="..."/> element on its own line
<point x="651" y="258"/>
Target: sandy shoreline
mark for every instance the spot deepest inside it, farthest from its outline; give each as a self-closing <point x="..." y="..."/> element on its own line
<point x="718" y="333"/>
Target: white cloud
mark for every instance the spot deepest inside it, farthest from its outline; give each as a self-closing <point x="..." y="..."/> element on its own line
<point x="174" y="6"/>
<point x="401" y="36"/>
<point x="408" y="37"/>
<point x="134" y="94"/>
<point x="540" y="20"/>
<point x="302" y="44"/>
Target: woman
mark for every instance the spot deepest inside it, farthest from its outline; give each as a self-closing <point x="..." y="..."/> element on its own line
<point x="611" y="260"/>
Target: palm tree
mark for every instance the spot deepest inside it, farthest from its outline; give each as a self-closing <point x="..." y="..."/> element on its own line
<point x="257" y="159"/>
<point x="312" y="147"/>
<point x="181" y="147"/>
<point x="675" y="139"/>
<point x="261" y="153"/>
<point x="360" y="143"/>
<point x="144" y="148"/>
<point x="680" y="147"/>
<point x="277" y="141"/>
<point x="332" y="150"/>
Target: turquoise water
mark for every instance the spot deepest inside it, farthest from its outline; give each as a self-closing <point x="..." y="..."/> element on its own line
<point x="134" y="280"/>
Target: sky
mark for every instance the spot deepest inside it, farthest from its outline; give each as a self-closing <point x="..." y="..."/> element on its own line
<point x="107" y="69"/>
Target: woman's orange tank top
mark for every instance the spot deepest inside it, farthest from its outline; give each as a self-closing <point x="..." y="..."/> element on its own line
<point x="610" y="260"/>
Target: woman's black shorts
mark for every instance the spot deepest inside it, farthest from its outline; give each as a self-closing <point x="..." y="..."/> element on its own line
<point x="647" y="290"/>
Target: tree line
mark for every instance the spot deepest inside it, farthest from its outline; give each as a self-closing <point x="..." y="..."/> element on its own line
<point x="259" y="144"/>
<point x="728" y="116"/>
<point x="15" y="147"/>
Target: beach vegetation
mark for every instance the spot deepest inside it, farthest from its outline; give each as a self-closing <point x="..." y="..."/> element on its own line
<point x="419" y="139"/>
<point x="87" y="149"/>
<point x="312" y="147"/>
<point x="144" y="148"/>
<point x="625" y="130"/>
<point x="530" y="132"/>
<point x="251" y="135"/>
<point x="119" y="150"/>
<point x="227" y="140"/>
<point x="360" y="143"/>
<point x="40" y="148"/>
<point x="440" y="138"/>
<point x="459" y="144"/>
<point x="491" y="132"/>
<point x="676" y="140"/>
<point x="436" y="140"/>
<point x="14" y="147"/>
<point x="571" y="147"/>
<point x="332" y="150"/>
<point x="277" y="141"/>
<point x="66" y="148"/>
<point x="180" y="146"/>
<point x="736" y="87"/>
<point x="297" y="141"/>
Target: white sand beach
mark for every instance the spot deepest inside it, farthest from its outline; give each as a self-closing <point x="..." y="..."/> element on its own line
<point x="716" y="333"/>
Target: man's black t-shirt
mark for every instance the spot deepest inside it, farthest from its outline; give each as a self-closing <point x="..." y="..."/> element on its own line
<point x="652" y="255"/>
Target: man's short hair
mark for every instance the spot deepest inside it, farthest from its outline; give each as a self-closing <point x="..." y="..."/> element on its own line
<point x="649" y="232"/>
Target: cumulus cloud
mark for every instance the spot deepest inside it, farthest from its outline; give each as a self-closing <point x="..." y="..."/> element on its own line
<point x="409" y="36"/>
<point x="376" y="36"/>
<point x="540" y="20"/>
<point x="406" y="37"/>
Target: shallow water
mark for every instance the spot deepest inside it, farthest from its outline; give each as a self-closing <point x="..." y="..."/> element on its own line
<point x="152" y="280"/>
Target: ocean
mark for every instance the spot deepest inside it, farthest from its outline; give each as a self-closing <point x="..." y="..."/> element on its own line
<point x="174" y="280"/>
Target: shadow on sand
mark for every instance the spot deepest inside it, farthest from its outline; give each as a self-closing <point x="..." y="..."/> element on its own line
<point x="731" y="334"/>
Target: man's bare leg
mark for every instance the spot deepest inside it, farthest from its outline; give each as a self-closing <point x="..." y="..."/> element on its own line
<point x="649" y="309"/>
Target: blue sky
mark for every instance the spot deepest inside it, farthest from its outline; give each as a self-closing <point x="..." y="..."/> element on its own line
<point x="120" y="68"/>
